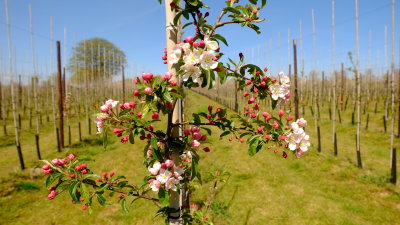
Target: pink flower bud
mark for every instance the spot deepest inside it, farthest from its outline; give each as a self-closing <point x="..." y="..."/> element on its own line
<point x="290" y="118"/>
<point x="195" y="144"/>
<point x="202" y="44"/>
<point x="189" y="39"/>
<point x="84" y="207"/>
<point x="105" y="174"/>
<point x="263" y="84"/>
<point x="265" y="114"/>
<point x="147" y="76"/>
<point x="267" y="137"/>
<point x="248" y="82"/>
<point x="210" y="107"/>
<point x="281" y="113"/>
<point x="195" y="44"/>
<point x="104" y="108"/>
<point x="276" y="151"/>
<point x="112" y="174"/>
<point x="83" y="166"/>
<point x="118" y="131"/>
<point x="55" y="161"/>
<point x="265" y="69"/>
<point x="47" y="171"/>
<point x="169" y="163"/>
<point x="282" y="138"/>
<point x="163" y="165"/>
<point x="148" y="91"/>
<point x="84" y="171"/>
<point x="125" y="139"/>
<point x="71" y="156"/>
<point x="206" y="149"/>
<point x="251" y="100"/>
<point x="245" y="94"/>
<point x="155" y="116"/>
<point x="194" y="129"/>
<point x="196" y="136"/>
<point x="52" y="195"/>
<point x="46" y="167"/>
<point x="186" y="132"/>
<point x="241" y="140"/>
<point x="77" y="168"/>
<point x="172" y="83"/>
<point x="203" y="138"/>
<point x="72" y="175"/>
<point x="275" y="125"/>
<point x="256" y="107"/>
<point x="136" y="93"/>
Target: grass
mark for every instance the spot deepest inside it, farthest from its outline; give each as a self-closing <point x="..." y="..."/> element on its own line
<point x="264" y="189"/>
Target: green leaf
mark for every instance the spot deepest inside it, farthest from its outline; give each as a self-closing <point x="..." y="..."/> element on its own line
<point x="123" y="205"/>
<point x="163" y="197"/>
<point x="50" y="179"/>
<point x="132" y="138"/>
<point x="207" y="129"/>
<point x="221" y="38"/>
<point x="85" y="193"/>
<point x="254" y="2"/>
<point x="167" y="96"/>
<point x="155" y="150"/>
<point x="177" y="17"/>
<point x="73" y="191"/>
<point x="102" y="200"/>
<point x="253" y="147"/>
<point x="232" y="10"/>
<point x="263" y="2"/>
<point x="212" y="78"/>
<point x="252" y="138"/>
<point x="224" y="133"/>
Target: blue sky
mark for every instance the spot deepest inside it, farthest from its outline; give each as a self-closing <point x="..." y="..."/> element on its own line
<point x="137" y="27"/>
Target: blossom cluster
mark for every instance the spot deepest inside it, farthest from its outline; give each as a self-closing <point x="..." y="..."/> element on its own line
<point x="195" y="138"/>
<point x="298" y="140"/>
<point x="281" y="90"/>
<point x="196" y="56"/>
<point x="165" y="175"/>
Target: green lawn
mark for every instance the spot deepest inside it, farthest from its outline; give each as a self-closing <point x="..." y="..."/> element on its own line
<point x="264" y="189"/>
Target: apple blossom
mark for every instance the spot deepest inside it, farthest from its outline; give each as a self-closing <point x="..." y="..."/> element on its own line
<point x="154" y="184"/>
<point x="195" y="144"/>
<point x="163" y="176"/>
<point x="207" y="60"/>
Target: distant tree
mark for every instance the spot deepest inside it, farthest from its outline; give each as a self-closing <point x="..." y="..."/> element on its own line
<point x="96" y="59"/>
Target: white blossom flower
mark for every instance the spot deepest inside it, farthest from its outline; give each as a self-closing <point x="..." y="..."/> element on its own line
<point x="192" y="57"/>
<point x="191" y="71"/>
<point x="111" y="103"/>
<point x="207" y="60"/>
<point x="156" y="167"/>
<point x="164" y="176"/>
<point x="171" y="184"/>
<point x="154" y="185"/>
<point x="175" y="54"/>
<point x="210" y="44"/>
<point x="284" y="79"/>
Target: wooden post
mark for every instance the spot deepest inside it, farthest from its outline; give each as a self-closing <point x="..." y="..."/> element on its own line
<point x="358" y="87"/>
<point x="175" y="199"/>
<point x="60" y="96"/>
<point x="393" y="169"/>
<point x="296" y="94"/>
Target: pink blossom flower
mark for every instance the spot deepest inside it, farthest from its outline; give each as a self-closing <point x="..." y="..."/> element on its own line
<point x="71" y="156"/>
<point x="154" y="184"/>
<point x="169" y="163"/>
<point x="302" y="122"/>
